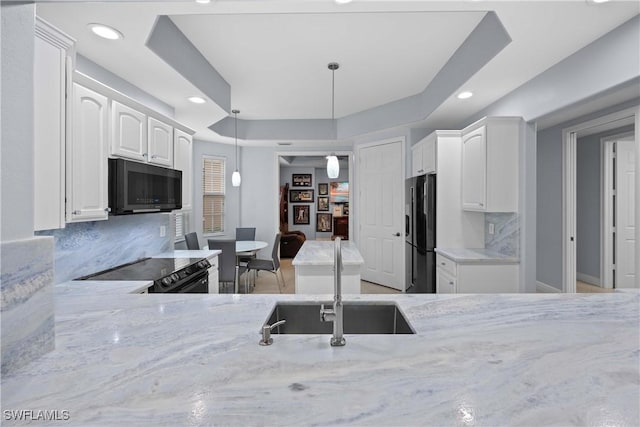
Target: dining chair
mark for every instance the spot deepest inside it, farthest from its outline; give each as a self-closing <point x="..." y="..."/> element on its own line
<point x="272" y="265"/>
<point x="246" y="233"/>
<point x="243" y="234"/>
<point x="192" y="241"/>
<point x="228" y="269"/>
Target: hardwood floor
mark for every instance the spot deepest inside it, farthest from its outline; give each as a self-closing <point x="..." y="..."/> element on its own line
<point x="583" y="288"/>
<point x="266" y="282"/>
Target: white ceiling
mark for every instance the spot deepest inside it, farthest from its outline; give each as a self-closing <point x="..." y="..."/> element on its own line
<point x="274" y="53"/>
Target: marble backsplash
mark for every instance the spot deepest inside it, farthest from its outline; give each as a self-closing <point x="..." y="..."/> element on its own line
<point x="506" y="237"/>
<point x="26" y="301"/>
<point x="87" y="247"/>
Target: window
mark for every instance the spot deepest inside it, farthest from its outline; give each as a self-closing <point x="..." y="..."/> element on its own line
<point x="213" y="173"/>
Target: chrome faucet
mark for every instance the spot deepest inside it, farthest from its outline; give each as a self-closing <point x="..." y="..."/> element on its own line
<point x="335" y="314"/>
<point x="266" y="332"/>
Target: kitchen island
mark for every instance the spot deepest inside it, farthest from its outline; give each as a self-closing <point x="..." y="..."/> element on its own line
<point x="314" y="268"/>
<point x="189" y="359"/>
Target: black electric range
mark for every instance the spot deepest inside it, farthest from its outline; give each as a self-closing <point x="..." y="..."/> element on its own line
<point x="169" y="275"/>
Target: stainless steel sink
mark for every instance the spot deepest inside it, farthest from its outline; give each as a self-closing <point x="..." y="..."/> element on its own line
<point x="360" y="317"/>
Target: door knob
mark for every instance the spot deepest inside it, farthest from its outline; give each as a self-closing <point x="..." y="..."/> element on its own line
<point x="397" y="234"/>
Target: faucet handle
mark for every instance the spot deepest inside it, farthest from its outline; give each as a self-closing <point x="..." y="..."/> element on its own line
<point x="266" y="332"/>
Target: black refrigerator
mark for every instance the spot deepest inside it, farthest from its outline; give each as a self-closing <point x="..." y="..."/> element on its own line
<point x="420" y="234"/>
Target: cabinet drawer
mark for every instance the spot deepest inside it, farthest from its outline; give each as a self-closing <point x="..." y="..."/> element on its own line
<point x="446" y="264"/>
<point x="445" y="283"/>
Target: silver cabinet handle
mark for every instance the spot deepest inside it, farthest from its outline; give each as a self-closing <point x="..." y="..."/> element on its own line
<point x="75" y="213"/>
<point x="451" y="283"/>
<point x="442" y="263"/>
<point x="107" y="210"/>
<point x="144" y="154"/>
<point x="154" y="156"/>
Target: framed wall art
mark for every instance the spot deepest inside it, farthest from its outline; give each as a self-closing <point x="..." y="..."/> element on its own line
<point x="301" y="214"/>
<point x="323" y="204"/>
<point x="301" y="180"/>
<point x="323" y="188"/>
<point x="323" y="222"/>
<point x="301" y="196"/>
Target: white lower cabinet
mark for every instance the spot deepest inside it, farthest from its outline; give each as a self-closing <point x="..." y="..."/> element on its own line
<point x="214" y="283"/>
<point x="475" y="278"/>
<point x="87" y="187"/>
<point x="445" y="283"/>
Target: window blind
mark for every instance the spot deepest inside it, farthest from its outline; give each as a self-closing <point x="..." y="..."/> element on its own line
<point x="213" y="194"/>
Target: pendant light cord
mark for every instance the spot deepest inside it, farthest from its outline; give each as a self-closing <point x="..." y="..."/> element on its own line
<point x="333" y="92"/>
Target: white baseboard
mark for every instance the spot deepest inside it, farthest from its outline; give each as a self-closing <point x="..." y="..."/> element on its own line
<point x="543" y="288"/>
<point x="588" y="279"/>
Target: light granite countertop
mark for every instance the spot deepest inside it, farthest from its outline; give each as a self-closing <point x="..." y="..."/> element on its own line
<point x="194" y="360"/>
<point x="320" y="252"/>
<point x="476" y="256"/>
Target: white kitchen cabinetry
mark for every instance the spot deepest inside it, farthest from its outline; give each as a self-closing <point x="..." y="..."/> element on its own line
<point x="53" y="60"/>
<point x="183" y="161"/>
<point x="128" y="132"/>
<point x="445" y="283"/>
<point x="138" y="137"/>
<point x="423" y="156"/>
<point x="490" y="165"/>
<point x="475" y="278"/>
<point x="160" y="144"/>
<point x="87" y="198"/>
<point x="214" y="284"/>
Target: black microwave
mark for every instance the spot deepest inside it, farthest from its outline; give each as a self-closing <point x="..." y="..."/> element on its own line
<point x="142" y="188"/>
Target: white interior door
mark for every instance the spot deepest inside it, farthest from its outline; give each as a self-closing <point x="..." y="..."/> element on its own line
<point x="625" y="213"/>
<point x="381" y="182"/>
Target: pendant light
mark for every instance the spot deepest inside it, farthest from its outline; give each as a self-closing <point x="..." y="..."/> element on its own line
<point x="333" y="167"/>
<point x="235" y="178"/>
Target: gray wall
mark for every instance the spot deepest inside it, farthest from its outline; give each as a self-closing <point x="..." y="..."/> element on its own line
<point x="232" y="196"/>
<point x="549" y="195"/>
<point x="18" y="22"/>
<point x="260" y="204"/>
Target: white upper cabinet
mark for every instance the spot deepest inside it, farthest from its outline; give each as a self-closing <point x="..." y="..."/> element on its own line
<point x="87" y="187"/>
<point x="128" y="133"/>
<point x="490" y="165"/>
<point x="423" y="156"/>
<point x="183" y="161"/>
<point x="160" y="143"/>
<point x="53" y="60"/>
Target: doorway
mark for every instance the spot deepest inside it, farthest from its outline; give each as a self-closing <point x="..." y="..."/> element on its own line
<point x="592" y="250"/>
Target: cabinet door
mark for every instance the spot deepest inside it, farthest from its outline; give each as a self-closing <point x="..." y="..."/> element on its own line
<point x="416" y="160"/>
<point x="160" y="143"/>
<point x="474" y="170"/>
<point x="129" y="132"/>
<point x="445" y="283"/>
<point x="429" y="156"/>
<point x="183" y="161"/>
<point x="87" y="153"/>
<point x="49" y="84"/>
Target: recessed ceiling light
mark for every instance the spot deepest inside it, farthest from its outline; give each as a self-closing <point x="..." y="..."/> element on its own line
<point x="465" y="95"/>
<point x="342" y="1"/>
<point x="105" y="31"/>
<point x="196" y="100"/>
<point x="599" y="1"/>
<point x="203" y="1"/>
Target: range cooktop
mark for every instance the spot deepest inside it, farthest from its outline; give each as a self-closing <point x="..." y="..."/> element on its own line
<point x="148" y="269"/>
